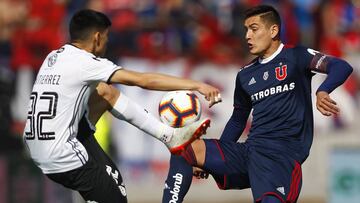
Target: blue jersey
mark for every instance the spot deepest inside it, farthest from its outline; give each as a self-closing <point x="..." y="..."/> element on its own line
<point x="278" y="90"/>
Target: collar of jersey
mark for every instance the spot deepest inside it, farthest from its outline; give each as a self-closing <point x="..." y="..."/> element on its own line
<point x="268" y="59"/>
<point x="78" y="49"/>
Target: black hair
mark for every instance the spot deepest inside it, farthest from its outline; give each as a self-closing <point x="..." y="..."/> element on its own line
<point x="84" y="22"/>
<point x="267" y="13"/>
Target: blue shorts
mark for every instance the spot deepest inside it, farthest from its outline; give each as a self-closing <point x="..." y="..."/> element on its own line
<point x="240" y="166"/>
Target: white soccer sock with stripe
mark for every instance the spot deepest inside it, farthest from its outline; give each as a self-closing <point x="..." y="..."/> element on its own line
<point x="133" y="113"/>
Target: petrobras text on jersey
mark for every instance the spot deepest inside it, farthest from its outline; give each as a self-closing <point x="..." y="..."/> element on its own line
<point x="175" y="191"/>
<point x="272" y="90"/>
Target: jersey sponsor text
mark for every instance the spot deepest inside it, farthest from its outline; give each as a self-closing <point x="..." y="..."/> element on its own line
<point x="272" y="90"/>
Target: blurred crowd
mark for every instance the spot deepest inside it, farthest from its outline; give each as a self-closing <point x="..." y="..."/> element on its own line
<point x="197" y="30"/>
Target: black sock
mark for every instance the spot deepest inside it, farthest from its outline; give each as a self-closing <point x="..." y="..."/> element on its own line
<point x="178" y="181"/>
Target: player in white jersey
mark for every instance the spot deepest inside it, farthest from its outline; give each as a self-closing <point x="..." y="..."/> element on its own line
<point x="60" y="123"/>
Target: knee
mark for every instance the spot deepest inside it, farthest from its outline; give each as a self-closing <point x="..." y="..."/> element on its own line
<point x="108" y="92"/>
<point x="199" y="151"/>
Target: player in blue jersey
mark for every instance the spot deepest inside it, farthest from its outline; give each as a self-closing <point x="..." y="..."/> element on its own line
<point x="276" y="86"/>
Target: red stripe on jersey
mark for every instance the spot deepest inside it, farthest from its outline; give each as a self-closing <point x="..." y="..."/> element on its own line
<point x="220" y="150"/>
<point x="223" y="158"/>
<point x="295" y="183"/>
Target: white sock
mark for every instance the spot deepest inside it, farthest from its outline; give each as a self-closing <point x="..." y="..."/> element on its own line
<point x="133" y="113"/>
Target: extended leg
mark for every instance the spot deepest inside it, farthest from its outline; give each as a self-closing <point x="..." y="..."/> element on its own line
<point x="178" y="181"/>
<point x="224" y="160"/>
<point x="107" y="97"/>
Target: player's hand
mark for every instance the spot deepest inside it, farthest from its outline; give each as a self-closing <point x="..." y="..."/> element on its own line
<point x="199" y="173"/>
<point x="212" y="94"/>
<point x="325" y="104"/>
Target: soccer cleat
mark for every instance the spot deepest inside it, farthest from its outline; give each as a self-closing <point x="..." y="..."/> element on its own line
<point x="184" y="136"/>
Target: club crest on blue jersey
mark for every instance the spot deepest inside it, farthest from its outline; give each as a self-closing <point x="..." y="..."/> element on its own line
<point x="281" y="73"/>
<point x="266" y="75"/>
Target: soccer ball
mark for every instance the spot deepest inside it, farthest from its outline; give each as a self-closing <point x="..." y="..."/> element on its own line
<point x="179" y="108"/>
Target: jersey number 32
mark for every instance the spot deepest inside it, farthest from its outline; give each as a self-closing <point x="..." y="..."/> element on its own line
<point x="36" y="119"/>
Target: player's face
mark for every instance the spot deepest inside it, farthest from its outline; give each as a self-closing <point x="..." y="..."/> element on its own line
<point x="101" y="40"/>
<point x="258" y="35"/>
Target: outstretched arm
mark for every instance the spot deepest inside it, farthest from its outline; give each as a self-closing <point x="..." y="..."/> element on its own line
<point x="158" y="81"/>
<point x="337" y="71"/>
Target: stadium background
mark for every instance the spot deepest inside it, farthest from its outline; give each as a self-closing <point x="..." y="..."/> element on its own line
<point x="199" y="39"/>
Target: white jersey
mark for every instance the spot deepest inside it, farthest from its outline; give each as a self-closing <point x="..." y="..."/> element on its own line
<point x="58" y="102"/>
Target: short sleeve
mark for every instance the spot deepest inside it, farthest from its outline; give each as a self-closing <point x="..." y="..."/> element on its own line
<point x="98" y="69"/>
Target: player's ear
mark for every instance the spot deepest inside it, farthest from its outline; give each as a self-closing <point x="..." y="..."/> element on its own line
<point x="274" y="29"/>
<point x="97" y="37"/>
